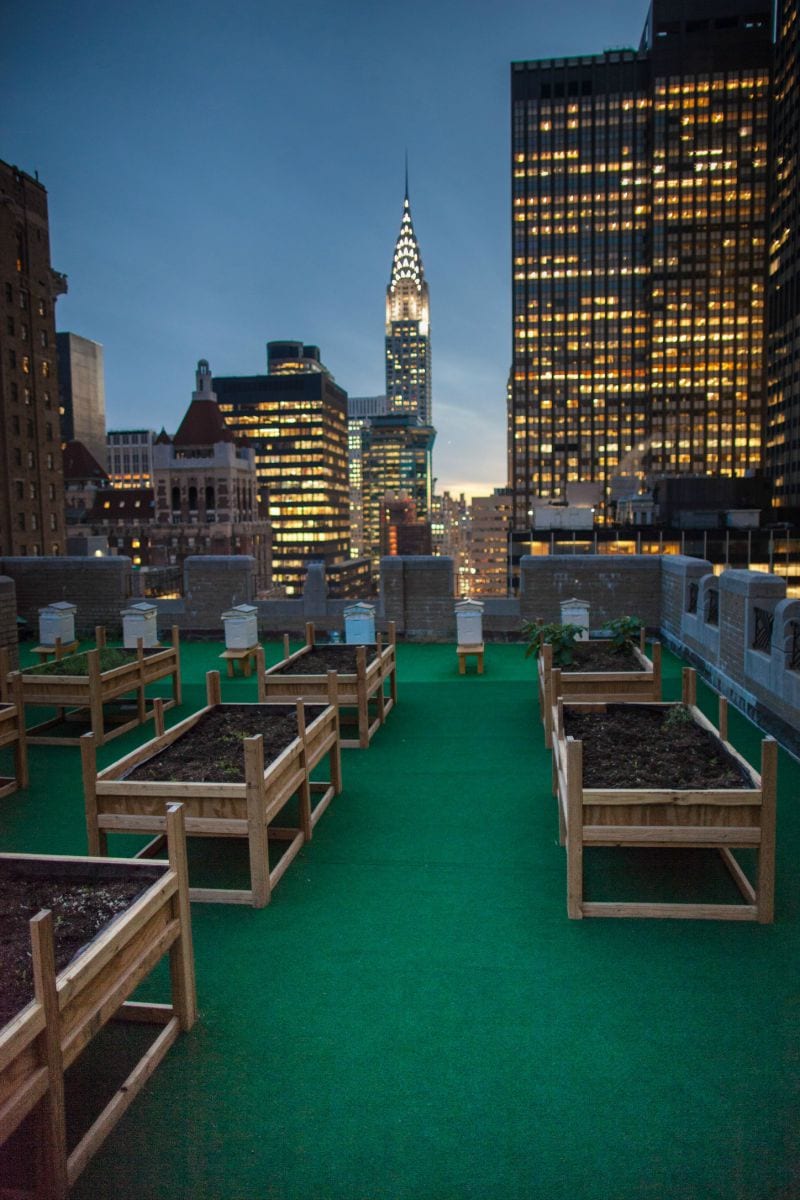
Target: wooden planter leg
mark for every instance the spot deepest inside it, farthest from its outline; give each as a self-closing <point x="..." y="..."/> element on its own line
<point x="181" y="955"/>
<point x="5" y="668"/>
<point x="363" y="702"/>
<point x="765" y="871"/>
<point x="574" y="832"/>
<point x="335" y="754"/>
<point x="257" y="833"/>
<point x="309" y="633"/>
<point x="158" y="716"/>
<point x="95" y="697"/>
<point x="213" y="688"/>
<point x="689" y="687"/>
<point x="177" y="688"/>
<point x="305" y="786"/>
<point x="655" y="658"/>
<point x="21" y="746"/>
<point x="100" y="637"/>
<point x="260" y="680"/>
<point x="141" y="703"/>
<point x="379" y="694"/>
<point x="95" y="836"/>
<point x="393" y="676"/>
<point x="52" y="1181"/>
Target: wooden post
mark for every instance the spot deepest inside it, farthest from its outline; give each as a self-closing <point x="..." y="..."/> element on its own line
<point x="261" y="682"/>
<point x="689" y="687"/>
<point x="95" y="696"/>
<point x="305" y="786"/>
<point x="363" y="704"/>
<point x="379" y="694"/>
<point x="5" y="667"/>
<point x="213" y="688"/>
<point x="642" y="639"/>
<point x="141" y="704"/>
<point x="655" y="653"/>
<point x="95" y="836"/>
<point x="546" y="651"/>
<point x="392" y="633"/>
<point x="158" y="716"/>
<point x="21" y="745"/>
<point x="723" y="718"/>
<point x="59" y="650"/>
<point x="286" y="646"/>
<point x="177" y="686"/>
<point x="257" y="836"/>
<point x="181" y="955"/>
<point x="574" y="821"/>
<point x="765" y="873"/>
<point x="309" y="633"/>
<point x="335" y="755"/>
<point x="53" y="1144"/>
<point x="100" y="637"/>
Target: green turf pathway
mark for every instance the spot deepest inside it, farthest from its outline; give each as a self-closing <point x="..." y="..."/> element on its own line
<point x="413" y="1016"/>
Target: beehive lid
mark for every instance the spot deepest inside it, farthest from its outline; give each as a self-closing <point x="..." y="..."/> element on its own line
<point x="142" y="609"/>
<point x="240" y="610"/>
<point x="360" y="609"/>
<point x="61" y="606"/>
<point x="469" y="606"/>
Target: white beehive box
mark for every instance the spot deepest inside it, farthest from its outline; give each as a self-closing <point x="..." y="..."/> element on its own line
<point x="469" y="623"/>
<point x="241" y="627"/>
<point x="359" y="624"/>
<point x="57" y="621"/>
<point x="139" y="621"/>
<point x="576" y="612"/>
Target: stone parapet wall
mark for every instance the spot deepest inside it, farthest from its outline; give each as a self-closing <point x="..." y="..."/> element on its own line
<point x="99" y="588"/>
<point x="8" y="620"/>
<point x="612" y="585"/>
<point x="417" y="594"/>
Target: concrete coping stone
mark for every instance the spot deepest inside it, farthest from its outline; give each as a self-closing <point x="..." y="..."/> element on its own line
<point x="752" y="583"/>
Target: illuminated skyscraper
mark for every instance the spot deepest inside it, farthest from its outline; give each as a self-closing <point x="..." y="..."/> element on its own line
<point x="782" y="445"/>
<point x="639" y="218"/>
<point x="408" y="327"/>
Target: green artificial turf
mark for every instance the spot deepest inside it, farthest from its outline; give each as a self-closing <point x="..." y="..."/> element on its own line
<point x="413" y="1016"/>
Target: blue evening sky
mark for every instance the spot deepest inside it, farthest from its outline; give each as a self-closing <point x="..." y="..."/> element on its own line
<point x="224" y="174"/>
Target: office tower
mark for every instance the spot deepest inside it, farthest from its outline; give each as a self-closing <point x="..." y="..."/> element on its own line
<point x="31" y="477"/>
<point x="638" y="214"/>
<point x="360" y="410"/>
<point x="130" y="456"/>
<point x="82" y="393"/>
<point x="490" y="524"/>
<point x="396" y="456"/>
<point x="295" y="418"/>
<point x="782" y="445"/>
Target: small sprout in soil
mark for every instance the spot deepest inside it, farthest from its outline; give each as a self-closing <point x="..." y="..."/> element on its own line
<point x="678" y="717"/>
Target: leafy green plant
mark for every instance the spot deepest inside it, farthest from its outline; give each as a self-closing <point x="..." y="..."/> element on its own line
<point x="561" y="637"/>
<point x="678" y="717"/>
<point x="624" y="632"/>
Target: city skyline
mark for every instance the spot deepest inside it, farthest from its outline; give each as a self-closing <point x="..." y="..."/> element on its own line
<point x="237" y="188"/>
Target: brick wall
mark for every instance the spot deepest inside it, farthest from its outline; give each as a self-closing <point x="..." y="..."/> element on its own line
<point x="213" y="583"/>
<point x="8" y="619"/>
<point x="417" y="594"/>
<point x="613" y="586"/>
<point x="99" y="588"/>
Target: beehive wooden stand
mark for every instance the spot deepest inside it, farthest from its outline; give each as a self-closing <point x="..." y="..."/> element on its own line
<point x="117" y="804"/>
<point x="642" y="685"/>
<point x="465" y="652"/>
<point x="70" y="1008"/>
<point x="246" y="659"/>
<point x="12" y="733"/>
<point x="96" y="698"/>
<point x="362" y="690"/>
<point x="58" y="650"/>
<point x="725" y="819"/>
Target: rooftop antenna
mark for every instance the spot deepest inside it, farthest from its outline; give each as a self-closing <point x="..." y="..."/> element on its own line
<point x="406" y="173"/>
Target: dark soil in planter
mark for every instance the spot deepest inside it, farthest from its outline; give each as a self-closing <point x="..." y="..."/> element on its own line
<point x="212" y="750"/>
<point x="322" y="659"/>
<point x="601" y="656"/>
<point x="637" y="746"/>
<point x="80" y="908"/>
<point x="78" y="664"/>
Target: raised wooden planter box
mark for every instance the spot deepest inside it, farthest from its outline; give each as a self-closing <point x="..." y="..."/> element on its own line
<point x="643" y="685"/>
<point x="725" y="819"/>
<point x="88" y="698"/>
<point x="12" y="733"/>
<point x="362" y="690"/>
<point x="70" y="1007"/>
<point x="118" y="804"/>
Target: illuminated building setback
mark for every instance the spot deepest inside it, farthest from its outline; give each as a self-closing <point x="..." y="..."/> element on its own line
<point x="638" y="218"/>
<point x="782" y="447"/>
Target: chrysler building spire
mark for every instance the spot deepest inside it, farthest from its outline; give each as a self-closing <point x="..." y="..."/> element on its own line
<point x="408" y="349"/>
